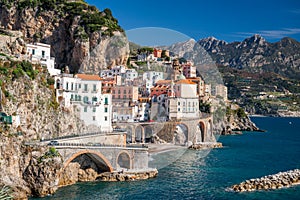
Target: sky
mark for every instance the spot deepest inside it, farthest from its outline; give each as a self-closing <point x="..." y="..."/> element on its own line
<point x="229" y="20"/>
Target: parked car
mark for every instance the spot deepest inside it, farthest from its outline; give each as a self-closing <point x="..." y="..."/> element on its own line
<point x="53" y="143"/>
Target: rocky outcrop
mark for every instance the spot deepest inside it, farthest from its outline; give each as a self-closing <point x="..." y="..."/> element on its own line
<point x="127" y="175"/>
<point x="235" y="121"/>
<point x="271" y="182"/>
<point x="42" y="174"/>
<point x="70" y="174"/>
<point x="82" y="44"/>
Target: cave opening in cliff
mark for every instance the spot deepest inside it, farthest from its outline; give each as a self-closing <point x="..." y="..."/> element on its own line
<point x="93" y="161"/>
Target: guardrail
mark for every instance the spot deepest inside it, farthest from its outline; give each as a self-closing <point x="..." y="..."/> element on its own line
<point x="97" y="145"/>
<point x="83" y="134"/>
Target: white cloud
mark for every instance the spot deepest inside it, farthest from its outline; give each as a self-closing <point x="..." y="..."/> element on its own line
<point x="296" y="11"/>
<point x="273" y="34"/>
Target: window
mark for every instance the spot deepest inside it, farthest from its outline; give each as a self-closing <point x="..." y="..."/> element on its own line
<point x="85" y="87"/>
<point x="85" y="109"/>
<point x="119" y="91"/>
<point x="94" y="88"/>
<point x="106" y="100"/>
<point x="72" y="86"/>
<point x="179" y="103"/>
<point x="72" y="97"/>
<point x="106" y="109"/>
<point x="105" y="118"/>
<point x="113" y="91"/>
<point x="124" y="91"/>
<point x="79" y="85"/>
<point x="94" y="118"/>
<point x="33" y="51"/>
<point x="43" y="54"/>
<point x="178" y="109"/>
<point x="67" y="86"/>
<point x="94" y="109"/>
<point x="79" y="98"/>
<point x="85" y="99"/>
<point x="124" y="97"/>
<point x="94" y="99"/>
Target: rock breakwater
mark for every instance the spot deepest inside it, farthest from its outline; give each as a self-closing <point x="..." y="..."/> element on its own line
<point x="127" y="175"/>
<point x="206" y="145"/>
<point x="270" y="182"/>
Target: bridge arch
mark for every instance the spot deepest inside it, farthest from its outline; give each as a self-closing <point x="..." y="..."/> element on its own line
<point x="139" y="134"/>
<point x="124" y="160"/>
<point x="181" y="135"/>
<point x="97" y="157"/>
<point x="130" y="135"/>
<point x="202" y="131"/>
<point x="149" y="132"/>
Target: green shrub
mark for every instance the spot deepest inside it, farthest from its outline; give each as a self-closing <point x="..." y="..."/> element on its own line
<point x="50" y="81"/>
<point x="241" y="113"/>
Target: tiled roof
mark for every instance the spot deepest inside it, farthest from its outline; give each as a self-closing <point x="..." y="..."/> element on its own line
<point x="161" y="82"/>
<point x="185" y="81"/>
<point x="88" y="77"/>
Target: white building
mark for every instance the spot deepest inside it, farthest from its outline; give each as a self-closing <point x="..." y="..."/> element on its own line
<point x="131" y="74"/>
<point x="115" y="71"/>
<point x="40" y="53"/>
<point x="84" y="92"/>
<point x="183" y="101"/>
<point x="151" y="77"/>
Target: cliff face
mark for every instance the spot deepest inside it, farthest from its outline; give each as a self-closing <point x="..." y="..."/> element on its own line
<point x="81" y="36"/>
<point x="24" y="168"/>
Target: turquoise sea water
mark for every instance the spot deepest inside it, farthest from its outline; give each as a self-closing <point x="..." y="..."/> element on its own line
<point x="193" y="176"/>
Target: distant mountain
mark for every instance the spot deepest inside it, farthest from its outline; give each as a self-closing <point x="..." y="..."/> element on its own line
<point x="255" y="54"/>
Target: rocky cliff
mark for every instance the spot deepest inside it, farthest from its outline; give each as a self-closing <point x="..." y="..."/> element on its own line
<point x="233" y="121"/>
<point x="26" y="93"/>
<point x="81" y="36"/>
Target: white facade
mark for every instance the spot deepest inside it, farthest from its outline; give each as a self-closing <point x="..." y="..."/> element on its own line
<point x="131" y="74"/>
<point x="84" y="92"/>
<point x="185" y="103"/>
<point x="40" y="53"/>
<point x="123" y="112"/>
<point x="115" y="71"/>
<point x="151" y="77"/>
<point x="179" y="108"/>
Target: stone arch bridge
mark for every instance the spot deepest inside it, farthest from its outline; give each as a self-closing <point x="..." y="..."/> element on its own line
<point x="106" y="158"/>
<point x="182" y="132"/>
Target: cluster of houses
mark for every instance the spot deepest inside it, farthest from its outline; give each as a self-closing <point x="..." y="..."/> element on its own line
<point x="122" y="95"/>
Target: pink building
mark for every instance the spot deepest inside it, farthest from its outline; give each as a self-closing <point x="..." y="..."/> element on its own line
<point x="125" y="92"/>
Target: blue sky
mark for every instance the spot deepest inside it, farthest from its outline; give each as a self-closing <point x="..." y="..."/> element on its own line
<point x="229" y="20"/>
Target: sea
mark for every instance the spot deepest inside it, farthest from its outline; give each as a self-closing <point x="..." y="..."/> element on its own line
<point x="207" y="174"/>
